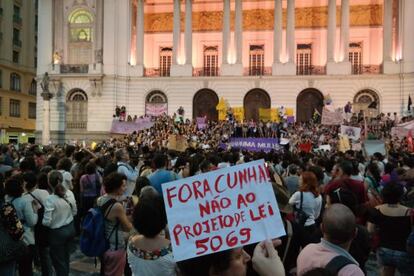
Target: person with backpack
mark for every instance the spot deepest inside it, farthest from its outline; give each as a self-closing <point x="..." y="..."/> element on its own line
<point x="60" y="208"/>
<point x="339" y="229"/>
<point x="40" y="231"/>
<point x="26" y="209"/>
<point x="116" y="223"/>
<point x="90" y="187"/>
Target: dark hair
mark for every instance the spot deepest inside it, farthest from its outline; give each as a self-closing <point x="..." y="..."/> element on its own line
<point x="42" y="182"/>
<point x="30" y="179"/>
<point x="392" y="192"/>
<point x="346" y="167"/>
<point x="160" y="160"/>
<point x="90" y="168"/>
<point x="70" y="149"/>
<point x="78" y="156"/>
<point x="203" y="265"/>
<point x="204" y="166"/>
<point x="1" y="187"/>
<point x="149" y="216"/>
<point x="55" y="180"/>
<point x="28" y="164"/>
<point x="344" y="196"/>
<point x="13" y="187"/>
<point x="64" y="164"/>
<point x="52" y="161"/>
<point x="141" y="182"/>
<point x="375" y="172"/>
<point x="113" y="182"/>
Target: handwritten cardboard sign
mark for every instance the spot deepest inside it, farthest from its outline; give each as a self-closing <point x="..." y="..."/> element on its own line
<point x="353" y="133"/>
<point x="221" y="209"/>
<point x="331" y="118"/>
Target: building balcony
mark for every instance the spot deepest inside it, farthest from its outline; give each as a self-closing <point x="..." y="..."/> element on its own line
<point x="311" y="70"/>
<point x="74" y="68"/>
<point x="156" y="72"/>
<point x="206" y="72"/>
<point x="17" y="20"/>
<point x="17" y="43"/>
<point x="76" y="125"/>
<point x="257" y="71"/>
<point x="371" y="69"/>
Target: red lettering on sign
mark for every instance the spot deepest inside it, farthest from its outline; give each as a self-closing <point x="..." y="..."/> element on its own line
<point x="170" y="196"/>
<point x="216" y="184"/>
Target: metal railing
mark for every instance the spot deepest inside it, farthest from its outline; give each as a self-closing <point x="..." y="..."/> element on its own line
<point x="257" y="71"/>
<point x="76" y="125"/>
<point x="74" y="68"/>
<point x="206" y="72"/>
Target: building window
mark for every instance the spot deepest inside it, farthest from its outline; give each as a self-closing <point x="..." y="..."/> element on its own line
<point x="14" y="108"/>
<point x="77" y="112"/>
<point x="304" y="59"/>
<point x="210" y="66"/>
<point x="33" y="88"/>
<point x="16" y="55"/>
<point x="355" y="57"/>
<point x="32" y="110"/>
<point x="1" y="79"/>
<point x="256" y="60"/>
<point x="165" y="61"/>
<point x="156" y="104"/>
<point x="16" y="36"/>
<point x="15" y="82"/>
<point x="1" y="106"/>
<point x="80" y="37"/>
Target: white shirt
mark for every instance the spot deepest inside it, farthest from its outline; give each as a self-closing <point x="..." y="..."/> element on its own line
<point x="58" y="211"/>
<point x="131" y="175"/>
<point x="40" y="194"/>
<point x="67" y="179"/>
<point x="311" y="205"/>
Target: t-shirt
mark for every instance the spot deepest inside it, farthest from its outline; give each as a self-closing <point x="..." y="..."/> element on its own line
<point x="356" y="187"/>
<point x="160" y="177"/>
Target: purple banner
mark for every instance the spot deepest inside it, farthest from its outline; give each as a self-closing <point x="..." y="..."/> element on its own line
<point x="201" y="122"/>
<point x="253" y="144"/>
<point x="129" y="127"/>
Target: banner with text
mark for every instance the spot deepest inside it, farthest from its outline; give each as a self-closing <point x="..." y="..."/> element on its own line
<point x="331" y="118"/>
<point x="221" y="209"/>
<point x="156" y="109"/>
<point x="129" y="127"/>
<point x="253" y="144"/>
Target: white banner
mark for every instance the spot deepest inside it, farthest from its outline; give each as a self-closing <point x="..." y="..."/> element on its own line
<point x="353" y="133"/>
<point x="221" y="209"/>
<point x="155" y="109"/>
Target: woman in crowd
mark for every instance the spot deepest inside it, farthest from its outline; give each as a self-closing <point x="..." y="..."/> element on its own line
<point x="26" y="209"/>
<point x="9" y="225"/>
<point x="149" y="252"/>
<point x="394" y="225"/>
<point x="40" y="231"/>
<point x="310" y="199"/>
<point x="60" y="208"/>
<point x="89" y="187"/>
<point x="116" y="223"/>
<point x="63" y="166"/>
<point x="372" y="184"/>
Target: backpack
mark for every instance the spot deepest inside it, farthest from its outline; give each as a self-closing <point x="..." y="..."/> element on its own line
<point x="337" y="263"/>
<point x="93" y="242"/>
<point x="40" y="231"/>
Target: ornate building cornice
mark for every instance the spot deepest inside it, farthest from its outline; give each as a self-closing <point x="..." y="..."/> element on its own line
<point x="262" y="19"/>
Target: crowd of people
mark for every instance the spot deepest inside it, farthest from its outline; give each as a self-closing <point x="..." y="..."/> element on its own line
<point x="337" y="207"/>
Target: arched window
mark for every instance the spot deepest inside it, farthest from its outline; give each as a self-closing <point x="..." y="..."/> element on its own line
<point x="156" y="103"/>
<point x="210" y="65"/>
<point x="165" y="61"/>
<point x="81" y="33"/>
<point x="15" y="82"/>
<point x="77" y="110"/>
<point x="368" y="101"/>
<point x="33" y="88"/>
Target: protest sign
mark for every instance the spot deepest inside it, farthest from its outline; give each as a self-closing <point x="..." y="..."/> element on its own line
<point x="201" y="122"/>
<point x="264" y="114"/>
<point x="402" y="130"/>
<point x="222" y="209"/>
<point x="156" y="109"/>
<point x="253" y="144"/>
<point x="172" y="142"/>
<point x="353" y="133"/>
<point x="129" y="127"/>
<point x="181" y="143"/>
<point x="373" y="146"/>
<point x="331" y="118"/>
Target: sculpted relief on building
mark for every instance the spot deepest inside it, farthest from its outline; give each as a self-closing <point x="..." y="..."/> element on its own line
<point x="261" y="19"/>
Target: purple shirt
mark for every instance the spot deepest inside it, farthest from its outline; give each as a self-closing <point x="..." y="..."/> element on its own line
<point x="88" y="183"/>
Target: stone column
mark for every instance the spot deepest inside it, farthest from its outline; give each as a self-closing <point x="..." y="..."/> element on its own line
<point x="46" y="95"/>
<point x="387" y="31"/>
<point x="45" y="33"/>
<point x="188" y="33"/>
<point x="277" y="32"/>
<point x="331" y="31"/>
<point x="290" y="31"/>
<point x="345" y="30"/>
<point x="139" y="52"/>
<point x="176" y="32"/>
<point x="226" y="31"/>
<point x="407" y="7"/>
<point x="238" y="34"/>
